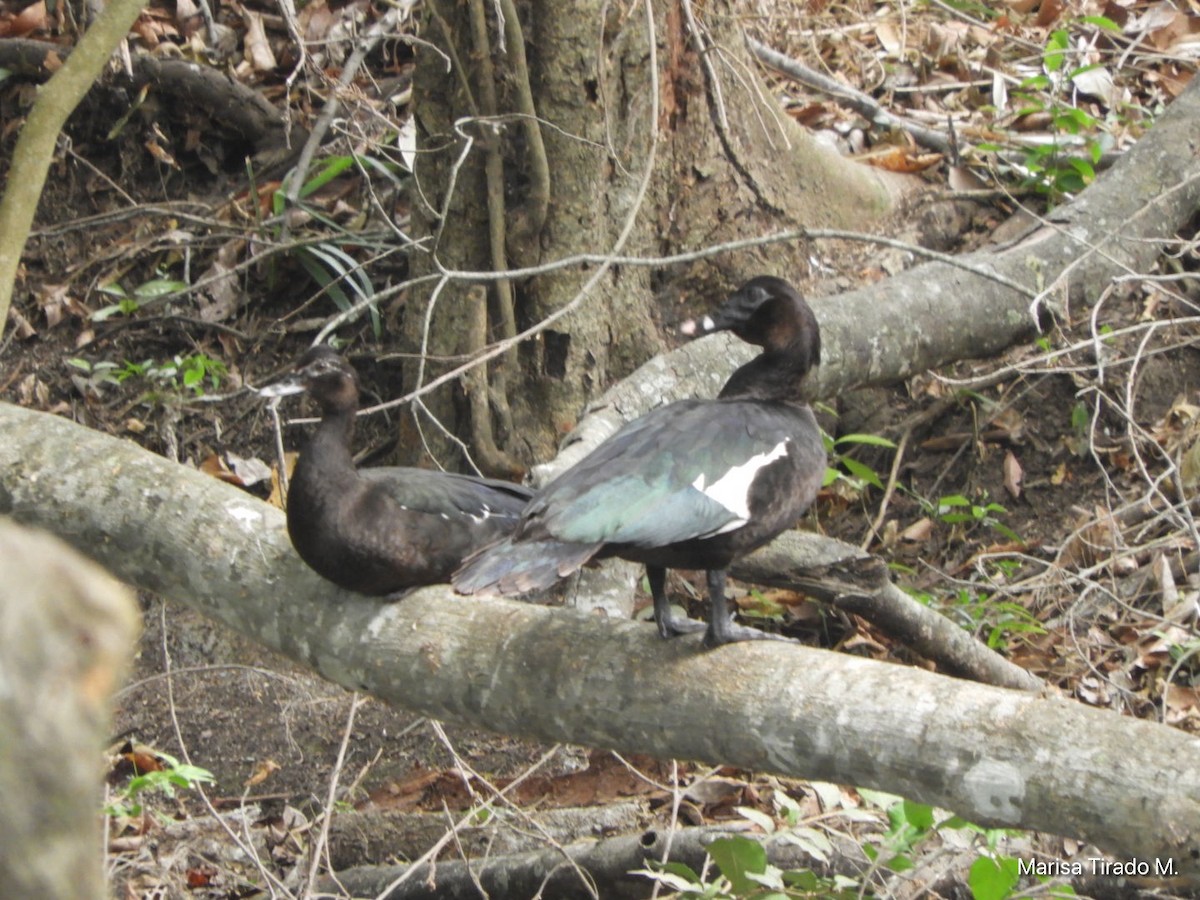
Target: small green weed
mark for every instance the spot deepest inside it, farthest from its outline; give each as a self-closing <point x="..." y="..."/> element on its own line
<point x="997" y="621"/>
<point x="130" y="302"/>
<point x="193" y="373"/>
<point x="745" y="873"/>
<point x="174" y="774"/>
<point x="857" y="474"/>
<point x="334" y="270"/>
<point x="955" y="509"/>
<point x="1067" y="163"/>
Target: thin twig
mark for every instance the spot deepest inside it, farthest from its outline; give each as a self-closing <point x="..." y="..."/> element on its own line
<point x="862" y="103"/>
<point x="316" y="848"/>
<point x="382" y="28"/>
<point x="873" y="530"/>
<point x="246" y="846"/>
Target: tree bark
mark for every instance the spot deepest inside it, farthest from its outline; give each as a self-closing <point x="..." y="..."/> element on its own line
<point x="559" y="874"/>
<point x="941" y="312"/>
<point x="35" y="146"/>
<point x="723" y="163"/>
<point x="995" y="756"/>
<point x="66" y="637"/>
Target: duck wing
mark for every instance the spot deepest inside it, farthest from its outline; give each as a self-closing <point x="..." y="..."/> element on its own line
<point x="681" y="472"/>
<point x="446" y="493"/>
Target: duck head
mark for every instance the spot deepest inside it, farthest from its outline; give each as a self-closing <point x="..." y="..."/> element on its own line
<point x="768" y="312"/>
<point x="328" y="378"/>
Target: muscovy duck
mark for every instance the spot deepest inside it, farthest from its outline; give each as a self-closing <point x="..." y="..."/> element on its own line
<point x="382" y="530"/>
<point x="691" y="485"/>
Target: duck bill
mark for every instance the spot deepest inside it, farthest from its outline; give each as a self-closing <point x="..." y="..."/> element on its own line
<point x="706" y="324"/>
<point x="284" y="387"/>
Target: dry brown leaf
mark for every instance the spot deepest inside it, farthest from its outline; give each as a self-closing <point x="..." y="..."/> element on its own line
<point x="1161" y="570"/>
<point x="1048" y="13"/>
<point x="715" y="791"/>
<point x="215" y="466"/>
<point x="315" y="21"/>
<point x="276" y="496"/>
<point x="889" y="38"/>
<point x="262" y="772"/>
<point x="1013" y="474"/>
<point x="898" y="159"/>
<point x="945" y="39"/>
<point x="256" y="47"/>
<point x="1171" y="79"/>
<point x="22" y="328"/>
<point x="147" y="29"/>
<point x="1168" y="26"/>
<point x="56" y="303"/>
<point x="1098" y="83"/>
<point x="961" y="178"/>
<point x="32" y="18"/>
<point x="249" y="470"/>
<point x="219" y="299"/>
<point x="1182" y="706"/>
<point x="919" y="531"/>
<point x="160" y="153"/>
<point x="1098" y="537"/>
<point x="31" y="390"/>
<point x="1093" y="691"/>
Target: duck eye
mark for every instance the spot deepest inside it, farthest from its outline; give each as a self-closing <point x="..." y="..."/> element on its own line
<point x="759" y="296"/>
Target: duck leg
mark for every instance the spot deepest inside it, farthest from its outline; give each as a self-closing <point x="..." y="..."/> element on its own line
<point x="668" y="625"/>
<point x="721" y="628"/>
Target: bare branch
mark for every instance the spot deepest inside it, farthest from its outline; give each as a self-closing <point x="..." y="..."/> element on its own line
<point x="997" y="757"/>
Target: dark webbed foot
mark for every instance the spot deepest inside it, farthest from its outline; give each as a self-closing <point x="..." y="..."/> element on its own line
<point x="721" y="628"/>
<point x="668" y="625"/>
<point x="672" y="627"/>
<point x="731" y="633"/>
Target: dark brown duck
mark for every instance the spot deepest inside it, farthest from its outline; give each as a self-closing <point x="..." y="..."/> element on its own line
<point x="695" y="484"/>
<point x="387" y="529"/>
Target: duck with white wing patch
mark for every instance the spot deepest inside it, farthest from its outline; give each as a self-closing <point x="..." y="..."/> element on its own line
<point x="695" y="484"/>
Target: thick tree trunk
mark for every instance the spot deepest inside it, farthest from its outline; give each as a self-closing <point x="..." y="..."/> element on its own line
<point x="66" y="636"/>
<point x="944" y="311"/>
<point x="723" y="161"/>
<point x="997" y="757"/>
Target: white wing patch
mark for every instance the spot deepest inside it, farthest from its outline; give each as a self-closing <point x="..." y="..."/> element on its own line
<point x="732" y="490"/>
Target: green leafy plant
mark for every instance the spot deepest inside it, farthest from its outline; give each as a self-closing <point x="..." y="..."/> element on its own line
<point x="997" y="621"/>
<point x="1050" y="168"/>
<point x="174" y="775"/>
<point x="746" y="873"/>
<point x="97" y="373"/>
<point x="1067" y="162"/>
<point x="179" y="373"/>
<point x="130" y="302"/>
<point x="335" y="271"/>
<point x="909" y="824"/>
<point x="761" y="606"/>
<point x="856" y="474"/>
<point x="192" y="373"/>
<point x="955" y="509"/>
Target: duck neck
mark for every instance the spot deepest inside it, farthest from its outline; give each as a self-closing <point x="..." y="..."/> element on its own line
<point x="772" y="375"/>
<point x="328" y="455"/>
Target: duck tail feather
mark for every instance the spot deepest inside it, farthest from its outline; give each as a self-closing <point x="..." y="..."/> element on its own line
<point x="518" y="568"/>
